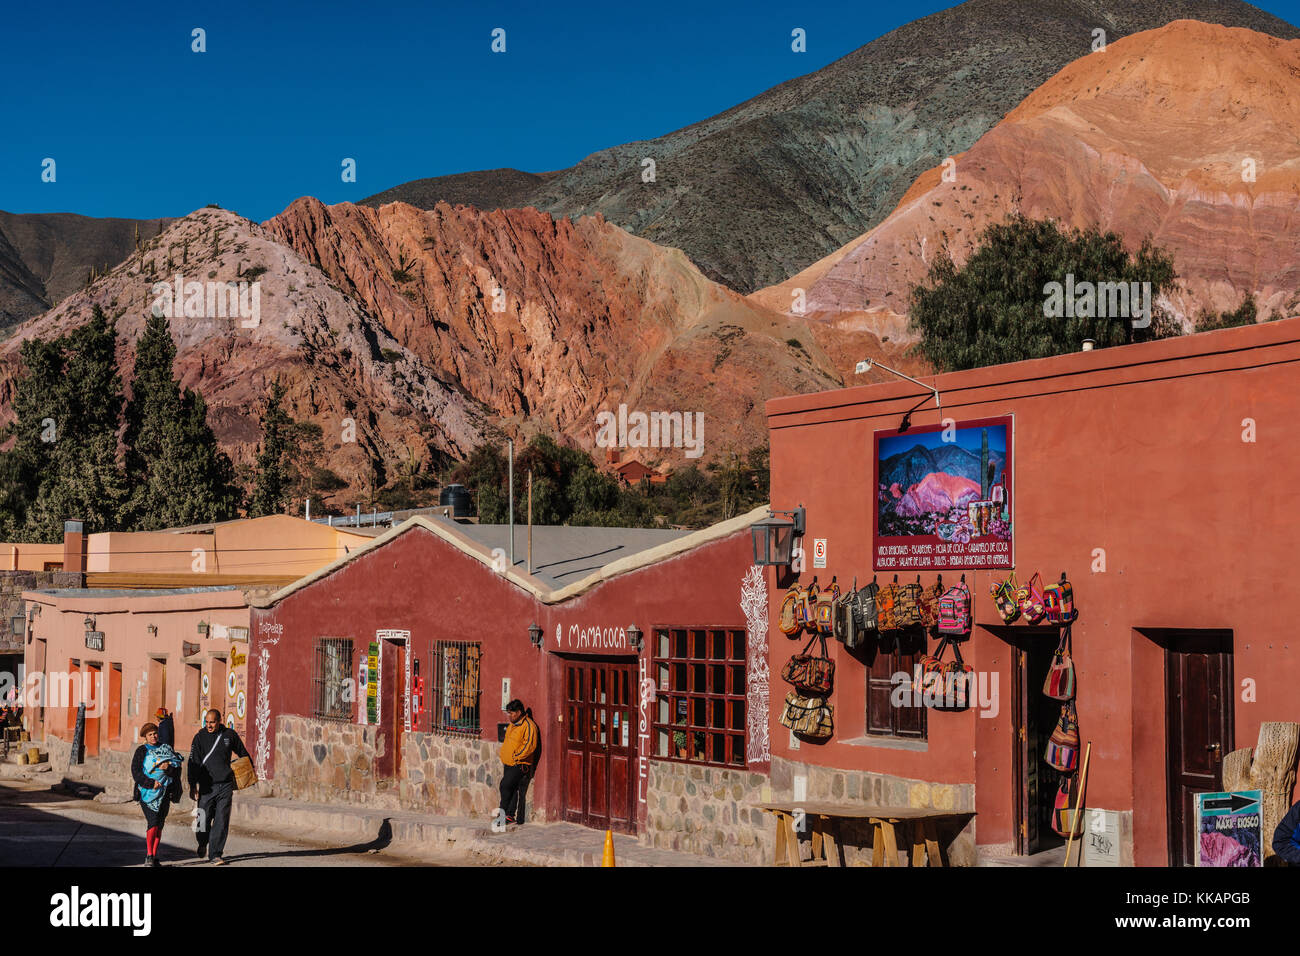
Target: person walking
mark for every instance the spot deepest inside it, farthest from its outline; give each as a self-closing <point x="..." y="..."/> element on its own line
<point x="212" y="783"/>
<point x="151" y="768"/>
<point x="167" y="735"/>
<point x="519" y="757"/>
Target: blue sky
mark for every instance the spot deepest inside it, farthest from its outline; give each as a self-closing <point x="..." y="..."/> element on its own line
<point x="141" y="126"/>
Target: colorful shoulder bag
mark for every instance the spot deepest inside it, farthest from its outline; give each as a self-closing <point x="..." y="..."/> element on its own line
<point x="1058" y="600"/>
<point x="1006" y="598"/>
<point x="930" y="603"/>
<point x="907" y="604"/>
<point x="1060" y="677"/>
<point x="1065" y="807"/>
<point x="811" y="674"/>
<point x="808" y="607"/>
<point x="1063" y="745"/>
<point x="808" y="716"/>
<point x="825" y="610"/>
<point x="944" y="685"/>
<point x="1030" y="599"/>
<point x="885" y="603"/>
<point x="790" y="620"/>
<point x="954" y="609"/>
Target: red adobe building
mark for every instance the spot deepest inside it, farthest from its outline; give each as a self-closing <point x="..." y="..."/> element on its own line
<point x="382" y="678"/>
<point x="1159" y="478"/>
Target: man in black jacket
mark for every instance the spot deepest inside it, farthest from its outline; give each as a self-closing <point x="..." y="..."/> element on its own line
<point x="212" y="782"/>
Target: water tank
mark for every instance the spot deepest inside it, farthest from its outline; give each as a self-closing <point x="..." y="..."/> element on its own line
<point x="458" y="497"/>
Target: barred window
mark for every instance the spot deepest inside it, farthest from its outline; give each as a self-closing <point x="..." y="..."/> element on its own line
<point x="456" y="687"/>
<point x="700" y="710"/>
<point x="331" y="678"/>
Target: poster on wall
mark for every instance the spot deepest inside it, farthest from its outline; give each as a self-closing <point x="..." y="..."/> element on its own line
<point x="236" y="689"/>
<point x="1228" y="829"/>
<point x="944" y="497"/>
<point x="372" y="684"/>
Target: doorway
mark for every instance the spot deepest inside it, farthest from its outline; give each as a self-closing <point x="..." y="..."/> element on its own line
<point x="94" y="701"/>
<point x="392" y="716"/>
<point x="598" y="772"/>
<point x="1199" y="727"/>
<point x="1035" y="716"/>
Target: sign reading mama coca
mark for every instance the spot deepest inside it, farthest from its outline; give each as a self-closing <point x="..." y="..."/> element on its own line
<point x="943" y="496"/>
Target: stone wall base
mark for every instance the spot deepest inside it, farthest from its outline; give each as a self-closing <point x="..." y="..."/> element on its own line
<point x="711" y="811"/>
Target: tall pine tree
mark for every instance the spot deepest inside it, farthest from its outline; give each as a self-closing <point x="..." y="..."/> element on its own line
<point x="177" y="473"/>
<point x="69" y="407"/>
<point x="271" y="486"/>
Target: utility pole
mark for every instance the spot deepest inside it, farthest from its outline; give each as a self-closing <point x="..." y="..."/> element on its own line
<point x="530" y="521"/>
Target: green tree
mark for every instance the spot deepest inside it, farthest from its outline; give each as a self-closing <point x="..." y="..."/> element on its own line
<point x="992" y="310"/>
<point x="64" y="462"/>
<point x="177" y="473"/>
<point x="1245" y="314"/>
<point x="273" y="477"/>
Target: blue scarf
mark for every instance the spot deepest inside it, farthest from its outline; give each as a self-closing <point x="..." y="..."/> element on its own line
<point x="152" y="758"/>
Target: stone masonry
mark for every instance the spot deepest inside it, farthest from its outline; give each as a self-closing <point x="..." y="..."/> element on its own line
<point x="455" y="776"/>
<point x="710" y="811"/>
<point x="12" y="586"/>
<point x="328" y="761"/>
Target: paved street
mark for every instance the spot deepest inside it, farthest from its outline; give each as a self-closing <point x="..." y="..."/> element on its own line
<point x="39" y="827"/>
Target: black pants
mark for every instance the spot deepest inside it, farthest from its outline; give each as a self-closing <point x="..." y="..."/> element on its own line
<point x="514" y="785"/>
<point x="214" y="820"/>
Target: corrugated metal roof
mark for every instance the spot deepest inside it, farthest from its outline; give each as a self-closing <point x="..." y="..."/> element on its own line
<point x="127" y="592"/>
<point x="564" y="554"/>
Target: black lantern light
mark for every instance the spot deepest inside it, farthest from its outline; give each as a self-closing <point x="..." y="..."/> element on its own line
<point x="90" y="623"/>
<point x="535" y="635"/>
<point x="634" y="638"/>
<point x="774" y="537"/>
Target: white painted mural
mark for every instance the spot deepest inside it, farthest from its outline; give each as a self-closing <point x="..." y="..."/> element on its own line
<point x="263" y="721"/>
<point x="753" y="601"/>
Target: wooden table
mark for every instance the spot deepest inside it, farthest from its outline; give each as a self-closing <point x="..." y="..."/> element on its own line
<point x="822" y="819"/>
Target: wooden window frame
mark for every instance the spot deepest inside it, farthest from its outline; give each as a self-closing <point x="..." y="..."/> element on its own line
<point x="719" y="718"/>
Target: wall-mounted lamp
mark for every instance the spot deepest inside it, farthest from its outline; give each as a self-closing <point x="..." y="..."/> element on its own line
<point x="90" y="623"/>
<point x="867" y="365"/>
<point x="535" y="635"/>
<point x="203" y="628"/>
<point x="774" y="537"/>
<point x="152" y="629"/>
<point x="634" y="638"/>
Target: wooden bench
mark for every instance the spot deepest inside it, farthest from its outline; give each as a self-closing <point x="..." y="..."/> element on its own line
<point x="822" y="821"/>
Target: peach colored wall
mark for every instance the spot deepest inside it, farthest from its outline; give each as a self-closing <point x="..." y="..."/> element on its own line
<point x="144" y="552"/>
<point x="20" y="556"/>
<point x="279" y="544"/>
<point x="1138" y="451"/>
<point x="124" y="621"/>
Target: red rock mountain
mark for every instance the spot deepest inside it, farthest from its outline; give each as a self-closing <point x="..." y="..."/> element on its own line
<point x="1189" y="133"/>
<point x="434" y="330"/>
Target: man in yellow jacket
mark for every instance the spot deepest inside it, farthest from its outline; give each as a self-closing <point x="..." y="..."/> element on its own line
<point x="519" y="755"/>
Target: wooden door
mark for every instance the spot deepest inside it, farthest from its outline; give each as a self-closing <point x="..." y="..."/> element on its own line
<point x="392" y="717"/>
<point x="598" y="773"/>
<point x="94" y="701"/>
<point x="1034" y="717"/>
<point x="1198" y="718"/>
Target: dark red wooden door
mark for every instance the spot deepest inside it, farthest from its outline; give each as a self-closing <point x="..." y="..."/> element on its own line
<point x="1198" y="701"/>
<point x="598" y="772"/>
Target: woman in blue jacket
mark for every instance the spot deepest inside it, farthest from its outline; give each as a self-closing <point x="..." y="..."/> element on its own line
<point x="1286" y="838"/>
<point x="150" y="770"/>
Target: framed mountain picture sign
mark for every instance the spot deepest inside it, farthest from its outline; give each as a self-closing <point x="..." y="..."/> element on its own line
<point x="944" y="497"/>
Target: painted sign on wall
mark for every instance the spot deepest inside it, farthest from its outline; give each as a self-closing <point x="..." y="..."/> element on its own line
<point x="943" y="496"/>
<point x="236" y="690"/>
<point x="372" y="684"/>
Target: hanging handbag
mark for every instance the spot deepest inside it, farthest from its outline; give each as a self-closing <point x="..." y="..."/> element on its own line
<point x="808" y="716"/>
<point x="954" y="609"/>
<point x="1063" y="745"/>
<point x="1030" y="599"/>
<point x="790" y="620"/>
<point x="867" y="606"/>
<point x="1058" y="601"/>
<point x="824" y="612"/>
<point x="1006" y="598"/>
<point x="907" y="604"/>
<point x="808" y="608"/>
<point x="1064" y="807"/>
<point x="930" y="603"/>
<point x="944" y="685"/>
<point x="1060" y="677"/>
<point x="886" y="600"/>
<point x="848" y="618"/>
<point x="810" y="674"/>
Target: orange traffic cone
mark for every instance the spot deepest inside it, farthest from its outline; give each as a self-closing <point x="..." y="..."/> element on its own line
<point x="608" y="858"/>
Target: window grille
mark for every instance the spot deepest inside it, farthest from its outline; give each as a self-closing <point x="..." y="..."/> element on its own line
<point x="700" y="706"/>
<point x="331" y="678"/>
<point x="456" y="687"/>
